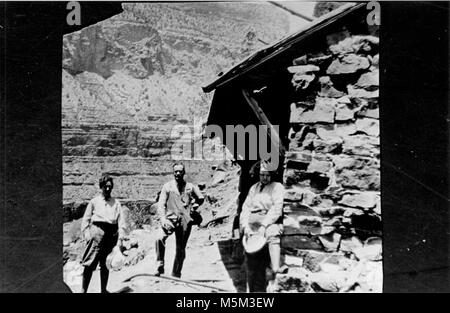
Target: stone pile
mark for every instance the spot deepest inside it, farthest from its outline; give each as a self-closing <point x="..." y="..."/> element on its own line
<point x="332" y="167"/>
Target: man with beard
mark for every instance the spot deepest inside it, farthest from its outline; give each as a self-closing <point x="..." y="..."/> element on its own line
<point x="177" y="207"/>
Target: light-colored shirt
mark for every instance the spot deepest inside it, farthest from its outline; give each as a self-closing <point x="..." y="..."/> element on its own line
<point x="186" y="195"/>
<point x="100" y="210"/>
<point x="268" y="199"/>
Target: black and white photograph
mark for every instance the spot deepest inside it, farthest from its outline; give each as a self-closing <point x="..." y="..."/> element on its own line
<point x="228" y="147"/>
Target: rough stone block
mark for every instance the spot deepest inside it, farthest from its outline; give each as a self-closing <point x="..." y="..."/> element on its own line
<point x="302" y="81"/>
<point x="350" y="244"/>
<point x="303" y="69"/>
<point x="344" y="112"/>
<point x="369" y="80"/>
<point x="355" y="92"/>
<point x="323" y="112"/>
<point x="361" y="145"/>
<point x="348" y="64"/>
<point x="330" y="242"/>
<point x="356" y="44"/>
<point x="364" y="200"/>
<point x="368" y="126"/>
<point x="301" y="242"/>
<point x="327" y="89"/>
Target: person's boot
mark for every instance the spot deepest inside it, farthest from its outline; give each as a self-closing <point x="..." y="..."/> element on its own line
<point x="87" y="275"/>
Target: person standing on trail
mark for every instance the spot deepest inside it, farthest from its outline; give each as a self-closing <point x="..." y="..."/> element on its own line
<point x="103" y="227"/>
<point x="177" y="210"/>
<point x="262" y="213"/>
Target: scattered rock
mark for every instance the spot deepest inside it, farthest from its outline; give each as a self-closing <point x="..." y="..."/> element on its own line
<point x="290" y="282"/>
<point x="348" y="64"/>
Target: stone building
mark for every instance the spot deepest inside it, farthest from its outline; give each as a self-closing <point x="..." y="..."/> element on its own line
<point x="320" y="86"/>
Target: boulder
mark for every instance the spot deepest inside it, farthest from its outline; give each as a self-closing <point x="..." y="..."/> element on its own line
<point x="364" y="200"/>
<point x="348" y="64"/>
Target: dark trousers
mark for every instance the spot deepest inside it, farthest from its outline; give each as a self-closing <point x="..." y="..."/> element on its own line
<point x="256" y="266"/>
<point x="181" y="237"/>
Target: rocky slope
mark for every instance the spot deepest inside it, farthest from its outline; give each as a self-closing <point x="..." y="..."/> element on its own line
<point x="127" y="81"/>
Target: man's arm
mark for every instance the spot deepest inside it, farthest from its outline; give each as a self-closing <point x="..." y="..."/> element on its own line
<point x="198" y="196"/>
<point x="86" y="221"/>
<point x="276" y="210"/>
<point x="161" y="208"/>
<point x="246" y="207"/>
<point x="121" y="223"/>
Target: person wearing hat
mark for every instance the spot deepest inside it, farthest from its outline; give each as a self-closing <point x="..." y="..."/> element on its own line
<point x="177" y="210"/>
<point x="262" y="216"/>
<point x="103" y="227"/>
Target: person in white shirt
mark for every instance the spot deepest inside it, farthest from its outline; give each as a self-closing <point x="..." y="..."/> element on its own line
<point x="262" y="212"/>
<point x="177" y="210"/>
<point x="103" y="227"/>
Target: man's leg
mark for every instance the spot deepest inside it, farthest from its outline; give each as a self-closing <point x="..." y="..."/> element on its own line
<point x="89" y="260"/>
<point x="160" y="245"/>
<point x="104" y="275"/>
<point x="256" y="270"/>
<point x="87" y="275"/>
<point x="182" y="236"/>
<point x="273" y="233"/>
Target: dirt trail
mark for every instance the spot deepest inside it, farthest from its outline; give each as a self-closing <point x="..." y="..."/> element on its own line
<point x="204" y="263"/>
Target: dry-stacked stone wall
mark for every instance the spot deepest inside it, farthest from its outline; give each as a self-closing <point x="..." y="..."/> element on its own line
<point x="332" y="165"/>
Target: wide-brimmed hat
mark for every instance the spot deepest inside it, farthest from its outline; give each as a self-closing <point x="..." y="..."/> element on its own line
<point x="115" y="260"/>
<point x="253" y="243"/>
